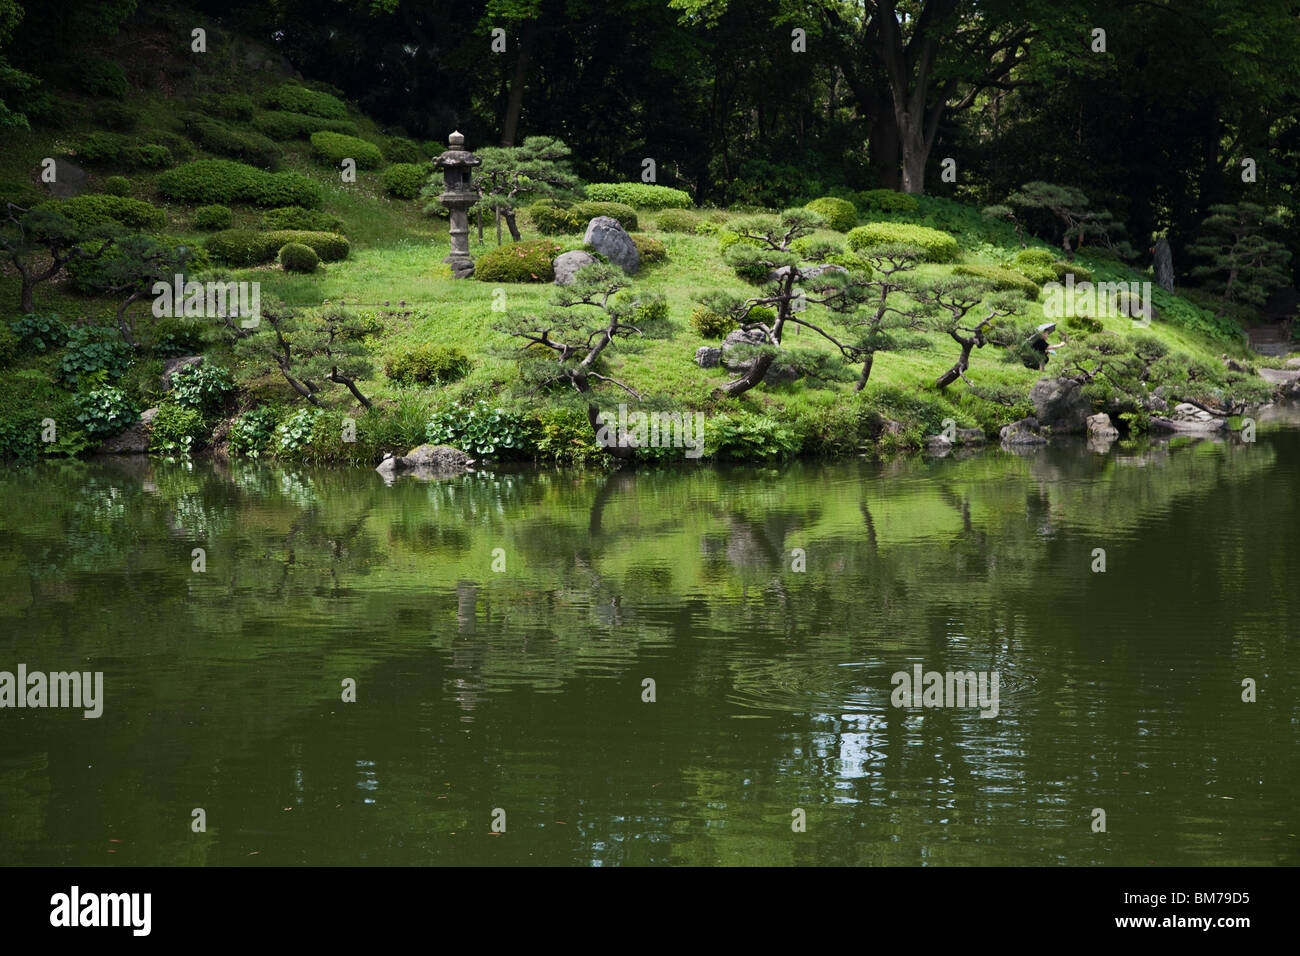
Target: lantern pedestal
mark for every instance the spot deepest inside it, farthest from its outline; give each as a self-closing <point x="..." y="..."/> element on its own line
<point x="458" y="196"/>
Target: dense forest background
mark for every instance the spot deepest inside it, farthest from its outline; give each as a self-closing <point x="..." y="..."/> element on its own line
<point x="1152" y="121"/>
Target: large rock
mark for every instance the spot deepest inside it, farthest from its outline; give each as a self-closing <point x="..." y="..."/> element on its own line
<point x="69" y="180"/>
<point x="810" y="273"/>
<point x="1101" y="428"/>
<point x="608" y="237"/>
<point x="707" y="356"/>
<point x="1023" y="432"/>
<point x="426" y="461"/>
<point x="567" y="264"/>
<point x="1280" y="376"/>
<point x="971" y="436"/>
<point x="1187" y="419"/>
<point x="134" y="440"/>
<point x="776" y="373"/>
<point x="175" y="365"/>
<point x="1059" y="405"/>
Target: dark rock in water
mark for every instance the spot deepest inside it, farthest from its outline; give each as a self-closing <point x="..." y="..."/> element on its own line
<point x="1060" y="405"/>
<point x="1023" y="432"/>
<point x="971" y="436"/>
<point x="425" y="461"/>
<point x="608" y="237"/>
<point x="706" y="356"/>
<point x="133" y="440"/>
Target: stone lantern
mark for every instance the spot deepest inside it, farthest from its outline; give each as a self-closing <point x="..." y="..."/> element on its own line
<point x="458" y="195"/>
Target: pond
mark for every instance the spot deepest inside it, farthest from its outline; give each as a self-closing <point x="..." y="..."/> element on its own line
<point x="686" y="666"/>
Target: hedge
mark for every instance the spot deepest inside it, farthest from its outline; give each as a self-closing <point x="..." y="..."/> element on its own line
<point x="225" y="181"/>
<point x="295" y="217"/>
<point x="336" y="147"/>
<point x="405" y="180"/>
<point x="94" y="209"/>
<point x="1002" y="279"/>
<point x="937" y="246"/>
<point x="528" y="261"/>
<point x="299" y="99"/>
<point x="246" y="247"/>
<point x="886" y="200"/>
<point x="102" y="147"/>
<point x="838" y="214"/>
<point x="217" y="137"/>
<point x="640" y="195"/>
<point x="399" y="149"/>
<point x="282" y="126"/>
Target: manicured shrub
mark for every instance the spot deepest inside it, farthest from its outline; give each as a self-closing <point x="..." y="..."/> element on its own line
<point x="427" y="365"/>
<point x="886" y="200"/>
<point x="233" y="106"/>
<point x="405" y="180"/>
<point x="528" y="261"/>
<point x="176" y="430"/>
<point x="213" y="217"/>
<point x="216" y="137"/>
<point x="105" y="411"/>
<point x="650" y="250"/>
<point x="1080" y="273"/>
<point x="100" y="77"/>
<point x="640" y="195"/>
<point x="295" y="257"/>
<point x="117" y="186"/>
<point x="225" y="181"/>
<point x="295" y="217"/>
<point x="299" y="99"/>
<point x="710" y="324"/>
<point x="551" y="219"/>
<point x="937" y="246"/>
<point x="1001" y="279"/>
<point x="398" y="149"/>
<point x="587" y="211"/>
<point x="119" y="150"/>
<point x="838" y="214"/>
<point x="1083" y="323"/>
<point x="675" y="220"/>
<point x="116" y="116"/>
<point x="95" y="209"/>
<point x="336" y="147"/>
<point x="1035" y="257"/>
<point x="246" y="247"/>
<point x="282" y="126"/>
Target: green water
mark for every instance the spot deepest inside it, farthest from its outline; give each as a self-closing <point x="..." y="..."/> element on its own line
<point x="522" y="689"/>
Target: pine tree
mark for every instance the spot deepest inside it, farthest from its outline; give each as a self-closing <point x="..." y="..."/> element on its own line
<point x="1241" y="263"/>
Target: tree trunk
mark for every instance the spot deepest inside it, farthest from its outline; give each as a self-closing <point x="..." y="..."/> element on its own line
<point x="340" y="378"/>
<point x="866" y="372"/>
<point x="1164" y="265"/>
<point x="28" y="297"/>
<point x="915" y="155"/>
<point x="963" y="363"/>
<point x="498" y="212"/>
<point x="515" y="101"/>
<point x="882" y="151"/>
<point x="751" y="378"/>
<point x="509" y="215"/>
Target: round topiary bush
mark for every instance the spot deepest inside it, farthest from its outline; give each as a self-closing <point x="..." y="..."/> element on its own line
<point x="213" y="217"/>
<point x="295" y="257"/>
<point x="528" y="261"/>
<point x="405" y="180"/>
<point x="299" y="99"/>
<point x="710" y="324"/>
<point x="336" y="147"/>
<point x="427" y="365"/>
<point x="587" y="211"/>
<point x="650" y="250"/>
<point x="117" y="186"/>
<point x="936" y="246"/>
<point x="1035" y="257"/>
<point x="838" y="214"/>
<point x="330" y="246"/>
<point x="551" y="219"/>
<point x="399" y="149"/>
<point x="246" y="247"/>
<point x="675" y="220"/>
<point x="886" y="200"/>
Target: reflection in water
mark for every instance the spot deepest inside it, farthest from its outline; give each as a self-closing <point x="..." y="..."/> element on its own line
<point x="523" y="688"/>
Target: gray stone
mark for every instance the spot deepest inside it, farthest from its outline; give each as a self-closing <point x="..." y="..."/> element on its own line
<point x="1279" y="376"/>
<point x="608" y="237"/>
<point x="971" y="436"/>
<point x="1293" y="363"/>
<point x="1060" y="405"/>
<point x="133" y="440"/>
<point x="808" y="272"/>
<point x="1023" y="432"/>
<point x="175" y="365"/>
<point x="706" y="356"/>
<point x="69" y="180"/>
<point x="1101" y="428"/>
<point x="776" y="373"/>
<point x="567" y="264"/>
<point x="938" y="443"/>
<point x="425" y="461"/>
<point x="1187" y="419"/>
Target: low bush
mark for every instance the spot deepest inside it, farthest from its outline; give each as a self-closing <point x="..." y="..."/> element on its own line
<point x="1062" y="269"/>
<point x="1001" y="279"/>
<point x="427" y="365"/>
<point x="105" y="411"/>
<point x="398" y="149"/>
<point x="101" y="77"/>
<point x="92" y="354"/>
<point x="480" y="430"/>
<point x="217" y="137"/>
<point x="649" y="249"/>
<point x="251" y="433"/>
<point x="528" y="261"/>
<point x="675" y="220"/>
<point x="405" y="180"/>
<point x="210" y="218"/>
<point x="225" y="181"/>
<point x="233" y="106"/>
<point x="838" y="214"/>
<point x="295" y="217"/>
<point x="245" y="247"/>
<point x="298" y="99"/>
<point x="281" y="126"/>
<point x="336" y="147"/>
<point x="750" y="437"/>
<point x="117" y="186"/>
<point x="887" y="200"/>
<point x="552" y="219"/>
<point x="938" y="246"/>
<point x="96" y="209"/>
<point x="203" y="387"/>
<point x="640" y="195"/>
<point x="176" y="430"/>
<point x="330" y="246"/>
<point x="710" y="324"/>
<point x="587" y="211"/>
<point x="118" y="150"/>
<point x="40" y="332"/>
<point x="295" y="257"/>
